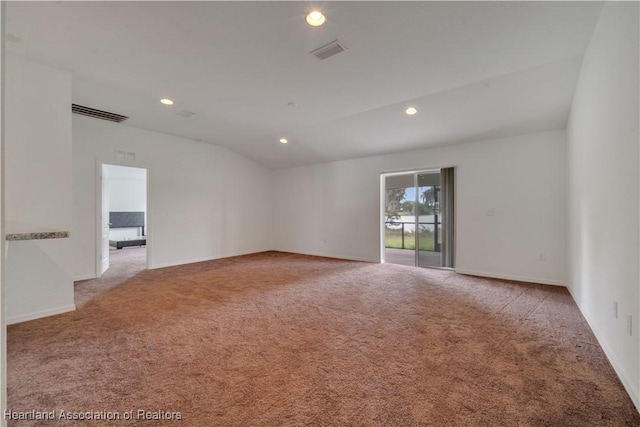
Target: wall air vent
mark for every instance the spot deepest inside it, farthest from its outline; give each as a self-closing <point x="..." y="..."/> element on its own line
<point x="98" y="114"/>
<point x="329" y="49"/>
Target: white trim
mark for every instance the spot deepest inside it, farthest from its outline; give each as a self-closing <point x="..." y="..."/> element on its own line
<point x="381" y="219"/>
<point x="149" y="219"/>
<point x="335" y="256"/>
<point x="98" y="217"/>
<point x="211" y="258"/>
<point x="85" y="277"/>
<point x="510" y="277"/>
<point x="617" y="366"/>
<point x="415" y="170"/>
<point x="40" y="314"/>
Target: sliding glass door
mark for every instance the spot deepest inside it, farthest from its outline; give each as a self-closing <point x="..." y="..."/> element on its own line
<point x="419" y="218"/>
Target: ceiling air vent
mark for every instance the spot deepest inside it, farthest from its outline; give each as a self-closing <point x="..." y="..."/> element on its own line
<point x="185" y="113"/>
<point x="98" y="114"/>
<point x="329" y="49"/>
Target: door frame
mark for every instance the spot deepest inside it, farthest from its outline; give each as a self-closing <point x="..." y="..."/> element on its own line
<point x="381" y="220"/>
<point x="104" y="186"/>
<point x="98" y="213"/>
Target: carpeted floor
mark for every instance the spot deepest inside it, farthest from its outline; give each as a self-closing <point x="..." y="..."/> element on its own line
<point x="124" y="264"/>
<point x="278" y="339"/>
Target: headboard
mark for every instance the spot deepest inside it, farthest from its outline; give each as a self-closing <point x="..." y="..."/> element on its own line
<point x="126" y="219"/>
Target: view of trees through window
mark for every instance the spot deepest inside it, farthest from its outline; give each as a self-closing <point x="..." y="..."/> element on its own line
<point x="400" y="212"/>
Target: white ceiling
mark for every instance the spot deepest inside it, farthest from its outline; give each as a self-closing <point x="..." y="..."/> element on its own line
<point x="475" y="70"/>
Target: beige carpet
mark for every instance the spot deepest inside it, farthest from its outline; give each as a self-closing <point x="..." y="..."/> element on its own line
<point x="277" y="339"/>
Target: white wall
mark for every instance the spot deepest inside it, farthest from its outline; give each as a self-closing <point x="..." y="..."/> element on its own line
<point x="603" y="188"/>
<point x="37" y="188"/>
<point x="205" y="201"/>
<point x="127" y="189"/>
<point x="333" y="209"/>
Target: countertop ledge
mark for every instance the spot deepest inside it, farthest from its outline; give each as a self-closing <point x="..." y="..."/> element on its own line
<point x="41" y="235"/>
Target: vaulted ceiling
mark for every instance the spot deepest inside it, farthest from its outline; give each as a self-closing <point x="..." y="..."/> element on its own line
<point x="474" y="70"/>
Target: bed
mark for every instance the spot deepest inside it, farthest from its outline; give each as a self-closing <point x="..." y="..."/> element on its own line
<point x="127" y="220"/>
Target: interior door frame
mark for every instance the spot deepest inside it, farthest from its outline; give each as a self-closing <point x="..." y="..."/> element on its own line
<point x="98" y="214"/>
<point x="104" y="186"/>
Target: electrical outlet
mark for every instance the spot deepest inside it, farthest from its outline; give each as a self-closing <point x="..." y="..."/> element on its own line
<point x="629" y="324"/>
<point x="542" y="256"/>
<point x="491" y="212"/>
<point x="615" y="309"/>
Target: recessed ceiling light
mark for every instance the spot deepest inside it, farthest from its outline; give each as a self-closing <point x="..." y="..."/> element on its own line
<point x="284" y="140"/>
<point x="166" y="101"/>
<point x="315" y="18"/>
<point x="411" y="111"/>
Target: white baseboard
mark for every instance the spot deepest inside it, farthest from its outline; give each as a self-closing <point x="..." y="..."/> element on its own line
<point x="193" y="260"/>
<point x="510" y="277"/>
<point x="202" y="259"/>
<point x="40" y="314"/>
<point x="327" y="255"/>
<point x="626" y="382"/>
<point x="85" y="277"/>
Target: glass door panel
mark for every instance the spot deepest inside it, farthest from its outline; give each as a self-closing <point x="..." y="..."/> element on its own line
<point x="428" y="220"/>
<point x="399" y="220"/>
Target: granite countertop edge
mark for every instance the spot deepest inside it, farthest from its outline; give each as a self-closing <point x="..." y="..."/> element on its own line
<point x="40" y="235"/>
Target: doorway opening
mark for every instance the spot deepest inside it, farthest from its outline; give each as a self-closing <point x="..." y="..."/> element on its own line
<point x="123" y="219"/>
<point x="418" y="218"/>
